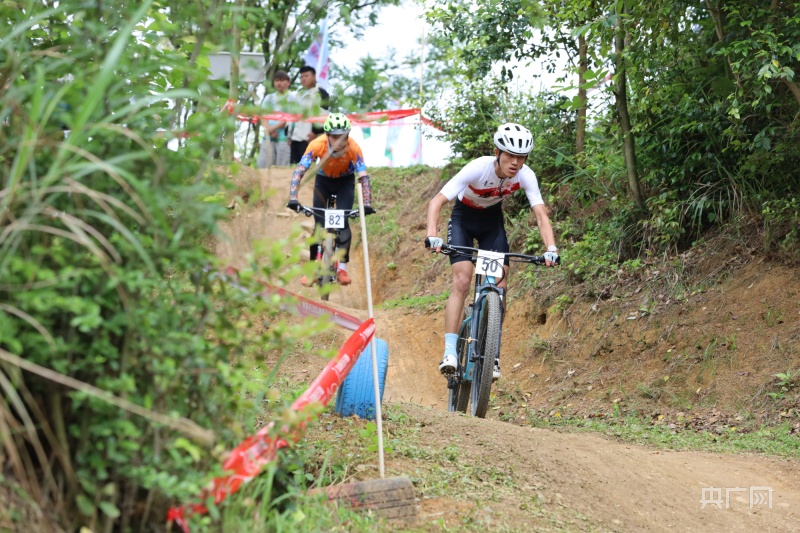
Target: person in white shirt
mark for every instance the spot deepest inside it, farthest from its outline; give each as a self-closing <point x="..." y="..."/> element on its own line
<point x="311" y="100"/>
<point x="275" y="148"/>
<point x="479" y="190"/>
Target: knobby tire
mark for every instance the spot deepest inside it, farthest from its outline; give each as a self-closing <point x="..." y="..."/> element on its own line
<point x="488" y="345"/>
<point x="459" y="394"/>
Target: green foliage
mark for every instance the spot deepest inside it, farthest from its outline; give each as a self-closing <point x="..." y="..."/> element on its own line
<point x="106" y="274"/>
<point x="276" y="501"/>
<point x="785" y="383"/>
<point x="471" y="119"/>
<point x="712" y="96"/>
<point x="782" y="225"/>
<point x="375" y="84"/>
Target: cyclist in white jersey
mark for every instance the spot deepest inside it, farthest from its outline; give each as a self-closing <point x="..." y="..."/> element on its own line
<point x="479" y="189"/>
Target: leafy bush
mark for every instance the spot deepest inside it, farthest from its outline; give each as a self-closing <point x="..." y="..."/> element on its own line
<point x="105" y="276"/>
<point x="782" y="226"/>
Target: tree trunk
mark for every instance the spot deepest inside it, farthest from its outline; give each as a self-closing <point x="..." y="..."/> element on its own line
<point x="204" y="25"/>
<point x="621" y="94"/>
<point x="719" y="26"/>
<point x="233" y="91"/>
<point x="580" y="124"/>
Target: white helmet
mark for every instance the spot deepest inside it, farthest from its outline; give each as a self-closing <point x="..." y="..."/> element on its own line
<point x="514" y="139"/>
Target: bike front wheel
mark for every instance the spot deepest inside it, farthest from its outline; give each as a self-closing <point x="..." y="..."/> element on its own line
<point x="459" y="387"/>
<point x="328" y="269"/>
<point x="487" y="351"/>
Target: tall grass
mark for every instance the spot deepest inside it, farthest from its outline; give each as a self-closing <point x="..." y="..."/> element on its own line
<point x="126" y="366"/>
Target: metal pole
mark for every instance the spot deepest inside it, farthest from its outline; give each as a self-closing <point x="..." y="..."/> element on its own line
<point x="377" y="389"/>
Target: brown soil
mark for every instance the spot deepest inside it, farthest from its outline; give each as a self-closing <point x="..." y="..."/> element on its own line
<point x="694" y="346"/>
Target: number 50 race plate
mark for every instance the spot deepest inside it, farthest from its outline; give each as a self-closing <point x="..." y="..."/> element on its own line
<point x="490" y="264"/>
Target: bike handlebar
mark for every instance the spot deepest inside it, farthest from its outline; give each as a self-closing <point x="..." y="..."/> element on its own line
<point x="309" y="211"/>
<point x="519" y="258"/>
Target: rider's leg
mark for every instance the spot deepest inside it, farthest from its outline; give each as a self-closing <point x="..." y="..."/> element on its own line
<point x="320" y="200"/>
<point x="344" y="236"/>
<point x="344" y="189"/>
<point x="454" y="310"/>
<point x="453" y="313"/>
<point x="345" y="196"/>
<point x="321" y="194"/>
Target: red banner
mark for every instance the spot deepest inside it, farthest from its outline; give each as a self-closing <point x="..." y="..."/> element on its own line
<point x="246" y="460"/>
<point x="373" y="118"/>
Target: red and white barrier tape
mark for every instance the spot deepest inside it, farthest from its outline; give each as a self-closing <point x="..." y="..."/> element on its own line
<point x="246" y="460"/>
<point x="305" y="306"/>
<point x="363" y="120"/>
<point x="373" y="118"/>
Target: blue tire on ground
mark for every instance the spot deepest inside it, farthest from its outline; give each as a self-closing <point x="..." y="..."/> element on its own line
<point x="357" y="393"/>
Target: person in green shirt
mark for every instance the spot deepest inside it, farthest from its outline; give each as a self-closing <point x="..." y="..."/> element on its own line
<point x="275" y="149"/>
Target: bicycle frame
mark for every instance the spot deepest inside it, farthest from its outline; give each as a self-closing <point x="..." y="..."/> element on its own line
<point x="480" y="333"/>
<point x="326" y="251"/>
<point x="482" y="287"/>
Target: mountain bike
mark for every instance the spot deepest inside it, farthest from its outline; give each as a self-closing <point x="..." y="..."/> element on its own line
<point x="480" y="333"/>
<point x="326" y="254"/>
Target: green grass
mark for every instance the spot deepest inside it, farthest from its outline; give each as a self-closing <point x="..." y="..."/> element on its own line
<point x="774" y="441"/>
<point x="431" y="302"/>
<point x="276" y="502"/>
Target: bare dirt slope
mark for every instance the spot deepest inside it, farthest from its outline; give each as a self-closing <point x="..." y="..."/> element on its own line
<point x="578" y="482"/>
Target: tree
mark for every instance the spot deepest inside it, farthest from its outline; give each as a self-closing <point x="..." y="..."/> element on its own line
<point x="621" y="39"/>
<point x="376" y="84"/>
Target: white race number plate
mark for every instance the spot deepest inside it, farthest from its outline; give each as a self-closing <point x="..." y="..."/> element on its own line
<point x="490" y="264"/>
<point x="334" y="219"/>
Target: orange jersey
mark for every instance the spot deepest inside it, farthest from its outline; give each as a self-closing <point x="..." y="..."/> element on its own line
<point x="351" y="161"/>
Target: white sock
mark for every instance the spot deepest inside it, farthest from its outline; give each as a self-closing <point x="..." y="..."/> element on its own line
<point x="343" y="266"/>
<point x="450" y="341"/>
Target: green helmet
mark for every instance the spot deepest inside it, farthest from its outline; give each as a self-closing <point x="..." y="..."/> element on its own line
<point x="337" y="124"/>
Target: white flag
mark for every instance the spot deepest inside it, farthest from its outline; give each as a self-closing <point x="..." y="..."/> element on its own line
<point x="317" y="56"/>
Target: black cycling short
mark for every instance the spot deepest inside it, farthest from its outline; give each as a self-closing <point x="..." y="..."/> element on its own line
<point x="344" y="189"/>
<point x="484" y="225"/>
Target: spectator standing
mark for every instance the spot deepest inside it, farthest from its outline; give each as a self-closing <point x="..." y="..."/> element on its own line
<point x="310" y="99"/>
<point x="275" y="150"/>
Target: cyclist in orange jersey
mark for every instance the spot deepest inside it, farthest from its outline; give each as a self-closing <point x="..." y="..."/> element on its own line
<point x="340" y="159"/>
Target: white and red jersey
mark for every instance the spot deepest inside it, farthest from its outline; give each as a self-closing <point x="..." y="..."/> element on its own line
<point x="478" y="186"/>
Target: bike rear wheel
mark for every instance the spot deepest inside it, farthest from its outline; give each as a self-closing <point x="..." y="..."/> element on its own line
<point x="328" y="273"/>
<point x="459" y="388"/>
<point x="487" y="350"/>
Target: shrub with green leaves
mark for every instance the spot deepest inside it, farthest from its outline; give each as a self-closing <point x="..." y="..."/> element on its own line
<point x="109" y="298"/>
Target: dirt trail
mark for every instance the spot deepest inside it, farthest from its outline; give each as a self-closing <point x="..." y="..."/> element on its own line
<point x="585" y="481"/>
<point x="412" y="361"/>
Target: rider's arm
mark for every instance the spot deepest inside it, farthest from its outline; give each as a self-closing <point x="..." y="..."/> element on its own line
<point x="434" y="210"/>
<point x="298" y="173"/>
<point x="366" y="187"/>
<point x="361" y="170"/>
<point x="545" y="228"/>
<point x="546" y="231"/>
